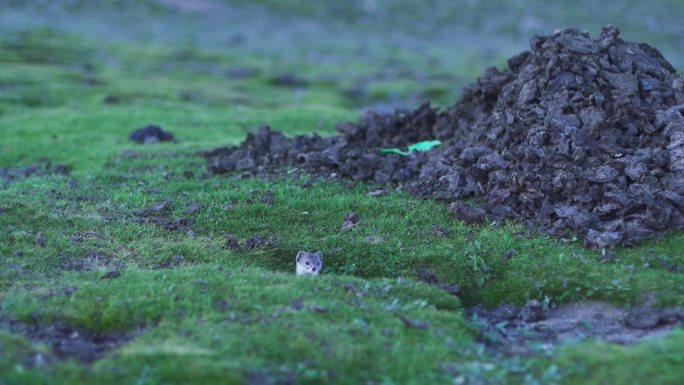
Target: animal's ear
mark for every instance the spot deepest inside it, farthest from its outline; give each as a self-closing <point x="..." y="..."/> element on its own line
<point x="320" y="255"/>
<point x="299" y="255"/>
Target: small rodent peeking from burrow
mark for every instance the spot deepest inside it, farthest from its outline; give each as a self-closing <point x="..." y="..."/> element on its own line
<point x="309" y="263"/>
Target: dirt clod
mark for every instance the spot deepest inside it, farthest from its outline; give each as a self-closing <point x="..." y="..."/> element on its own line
<point x="467" y="213"/>
<point x="159" y="214"/>
<point x="288" y="81"/>
<point x="267" y="198"/>
<point x="111" y="99"/>
<point x="351" y="220"/>
<point x="193" y="208"/>
<point x="452" y="289"/>
<point x="533" y="311"/>
<point x="40" y="240"/>
<point x="111" y="274"/>
<point x="508" y="255"/>
<point x="150" y="135"/>
<point x="579" y="136"/>
<point x="232" y="242"/>
<point x="259" y="242"/>
<point x="157" y="209"/>
<point x="439" y="231"/>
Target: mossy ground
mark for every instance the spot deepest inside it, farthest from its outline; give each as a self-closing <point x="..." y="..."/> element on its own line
<point x="205" y="314"/>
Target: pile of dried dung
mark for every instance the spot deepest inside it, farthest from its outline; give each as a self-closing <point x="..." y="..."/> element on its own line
<point x="578" y="136"/>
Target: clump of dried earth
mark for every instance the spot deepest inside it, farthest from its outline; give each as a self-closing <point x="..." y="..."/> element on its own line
<point x="578" y="136"/>
<point x="150" y="135"/>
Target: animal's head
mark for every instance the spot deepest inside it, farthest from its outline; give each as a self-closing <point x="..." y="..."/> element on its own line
<point x="309" y="263"/>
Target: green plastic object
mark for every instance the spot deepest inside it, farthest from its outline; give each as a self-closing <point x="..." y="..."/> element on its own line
<point x="424" y="146"/>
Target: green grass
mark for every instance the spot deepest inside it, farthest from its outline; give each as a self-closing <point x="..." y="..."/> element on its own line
<point x="202" y="313"/>
<point x="261" y="308"/>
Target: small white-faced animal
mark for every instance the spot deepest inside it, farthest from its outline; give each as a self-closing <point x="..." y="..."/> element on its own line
<point x="309" y="263"/>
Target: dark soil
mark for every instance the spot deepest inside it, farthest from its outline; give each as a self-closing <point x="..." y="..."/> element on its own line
<point x="69" y="343"/>
<point x="256" y="242"/>
<point x="40" y="168"/>
<point x="578" y="136"/>
<point x="513" y="330"/>
<point x="160" y="215"/>
<point x="93" y="261"/>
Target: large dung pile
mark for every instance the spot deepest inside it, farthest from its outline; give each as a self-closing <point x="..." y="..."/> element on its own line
<point x="579" y="136"/>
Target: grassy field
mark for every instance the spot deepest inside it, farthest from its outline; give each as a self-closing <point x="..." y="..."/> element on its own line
<point x="182" y="308"/>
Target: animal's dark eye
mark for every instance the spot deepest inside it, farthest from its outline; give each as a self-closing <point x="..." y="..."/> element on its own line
<point x="307" y="263"/>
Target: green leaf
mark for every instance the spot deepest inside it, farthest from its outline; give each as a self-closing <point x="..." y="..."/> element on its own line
<point x="423" y="146"/>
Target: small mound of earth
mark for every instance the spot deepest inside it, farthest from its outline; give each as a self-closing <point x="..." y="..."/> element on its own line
<point x="150" y="135"/>
<point x="578" y="136"/>
<point x="514" y="330"/>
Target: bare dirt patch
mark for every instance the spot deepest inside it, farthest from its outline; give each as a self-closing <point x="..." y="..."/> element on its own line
<point x="39" y="168"/>
<point x="513" y="330"/>
<point x="67" y="342"/>
<point x="160" y="214"/>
